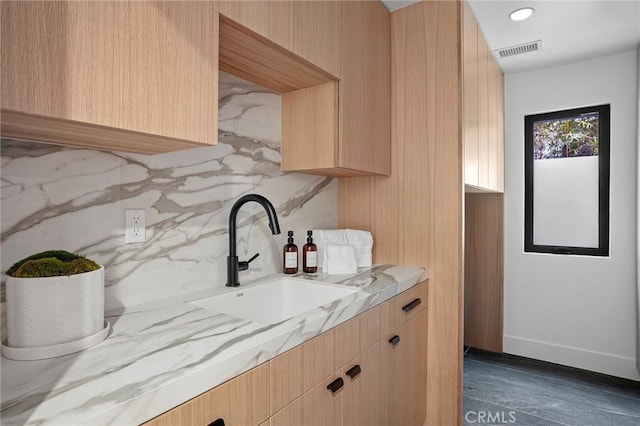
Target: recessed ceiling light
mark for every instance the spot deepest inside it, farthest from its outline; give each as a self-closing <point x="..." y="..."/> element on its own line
<point x="521" y="14"/>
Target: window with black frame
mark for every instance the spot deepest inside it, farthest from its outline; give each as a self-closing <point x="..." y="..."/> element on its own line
<point x="567" y="182"/>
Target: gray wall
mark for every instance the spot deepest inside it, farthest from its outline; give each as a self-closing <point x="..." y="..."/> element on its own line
<point x="575" y="310"/>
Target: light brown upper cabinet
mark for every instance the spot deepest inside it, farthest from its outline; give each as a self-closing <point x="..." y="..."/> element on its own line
<point x="343" y="128"/>
<point x="317" y="34"/>
<point x="130" y="76"/>
<point x="271" y="19"/>
<point x="483" y="110"/>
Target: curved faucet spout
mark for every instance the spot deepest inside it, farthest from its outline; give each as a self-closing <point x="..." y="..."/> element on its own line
<point x="233" y="266"/>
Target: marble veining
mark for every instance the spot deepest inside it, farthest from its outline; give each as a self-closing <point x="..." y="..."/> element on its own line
<point x="165" y="352"/>
<point x="74" y="199"/>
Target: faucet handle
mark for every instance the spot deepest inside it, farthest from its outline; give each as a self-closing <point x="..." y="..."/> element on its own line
<point x="243" y="266"/>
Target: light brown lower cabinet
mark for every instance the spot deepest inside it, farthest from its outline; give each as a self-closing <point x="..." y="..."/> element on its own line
<point x="369" y="370"/>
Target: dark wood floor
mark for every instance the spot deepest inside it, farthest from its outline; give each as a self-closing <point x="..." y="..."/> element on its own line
<point x="506" y="389"/>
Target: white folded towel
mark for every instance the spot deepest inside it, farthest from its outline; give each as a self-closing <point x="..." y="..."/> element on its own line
<point x="339" y="259"/>
<point x="362" y="242"/>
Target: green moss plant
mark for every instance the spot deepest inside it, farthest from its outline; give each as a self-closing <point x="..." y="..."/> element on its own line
<point x="52" y="263"/>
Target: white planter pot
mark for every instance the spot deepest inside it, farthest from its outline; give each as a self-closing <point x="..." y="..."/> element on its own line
<point x="54" y="310"/>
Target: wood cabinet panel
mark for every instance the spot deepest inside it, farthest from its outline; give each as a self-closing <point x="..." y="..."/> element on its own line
<point x="470" y="95"/>
<point x="483" y="272"/>
<point x="316" y="407"/>
<point x="483" y="112"/>
<point x="309" y="128"/>
<point x="364" y="394"/>
<point x="319" y="358"/>
<point x="501" y="113"/>
<point x="347" y="341"/>
<point x="172" y="82"/>
<point x="317" y="34"/>
<point x="365" y="88"/>
<point x="427" y="141"/>
<point x="406" y="400"/>
<point x="242" y="401"/>
<point x="286" y="378"/>
<point x="132" y="76"/>
<point x="370" y="327"/>
<point x="409" y="303"/>
<point x="270" y="19"/>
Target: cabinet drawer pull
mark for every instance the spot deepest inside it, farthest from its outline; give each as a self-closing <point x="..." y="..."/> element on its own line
<point x="354" y="371"/>
<point x="411" y="305"/>
<point x="336" y="385"/>
<point x="218" y="422"/>
<point x="394" y="340"/>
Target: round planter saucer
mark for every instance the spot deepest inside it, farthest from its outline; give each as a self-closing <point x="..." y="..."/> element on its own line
<point x="52" y="351"/>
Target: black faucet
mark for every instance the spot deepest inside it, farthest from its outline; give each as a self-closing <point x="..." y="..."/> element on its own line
<point x="233" y="266"/>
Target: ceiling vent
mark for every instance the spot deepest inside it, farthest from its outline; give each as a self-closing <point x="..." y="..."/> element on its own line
<point x="519" y="49"/>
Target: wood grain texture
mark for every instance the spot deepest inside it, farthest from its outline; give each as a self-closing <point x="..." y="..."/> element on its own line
<point x="407" y="389"/>
<point x="253" y="57"/>
<point x="483" y="112"/>
<point x="271" y="19"/>
<point x="427" y="139"/>
<point x="365" y="88"/>
<point x="319" y="358"/>
<point x="139" y="67"/>
<point x="370" y="328"/>
<point x="364" y="395"/>
<point x="493" y="72"/>
<point x="483" y="273"/>
<point x="317" y="34"/>
<point x="286" y="378"/>
<point x="243" y="400"/>
<point x="417" y="292"/>
<point x="316" y="407"/>
<point x="347" y="341"/>
<point x="310" y="128"/>
<point x="470" y="94"/>
<point x="501" y="112"/>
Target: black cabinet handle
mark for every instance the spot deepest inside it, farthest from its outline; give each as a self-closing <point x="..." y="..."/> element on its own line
<point x="336" y="385"/>
<point x="394" y="340"/>
<point x="219" y="422"/>
<point x="412" y="305"/>
<point x="354" y="371"/>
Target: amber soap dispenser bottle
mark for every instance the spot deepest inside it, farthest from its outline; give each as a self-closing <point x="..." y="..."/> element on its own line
<point x="290" y="256"/>
<point x="310" y="255"/>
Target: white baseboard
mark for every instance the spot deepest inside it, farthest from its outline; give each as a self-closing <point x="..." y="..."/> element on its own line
<point x="613" y="365"/>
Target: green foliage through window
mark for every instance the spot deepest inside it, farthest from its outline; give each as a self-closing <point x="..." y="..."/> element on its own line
<point x="566" y="137"/>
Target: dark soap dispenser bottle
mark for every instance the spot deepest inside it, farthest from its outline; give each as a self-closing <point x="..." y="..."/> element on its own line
<point x="310" y="255"/>
<point x="290" y="256"/>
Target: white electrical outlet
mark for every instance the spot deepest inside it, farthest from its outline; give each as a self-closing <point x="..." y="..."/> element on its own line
<point x="134" y="231"/>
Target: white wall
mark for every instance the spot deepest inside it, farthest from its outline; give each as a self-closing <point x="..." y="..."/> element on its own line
<point x="575" y="310"/>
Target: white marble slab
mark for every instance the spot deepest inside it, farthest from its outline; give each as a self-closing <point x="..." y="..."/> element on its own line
<point x="163" y="353"/>
<point x="74" y="199"/>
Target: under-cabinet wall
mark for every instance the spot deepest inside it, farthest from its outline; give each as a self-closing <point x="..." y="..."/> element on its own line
<point x="74" y="199"/>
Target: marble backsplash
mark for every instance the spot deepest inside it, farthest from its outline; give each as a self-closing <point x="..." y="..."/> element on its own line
<point x="74" y="199"/>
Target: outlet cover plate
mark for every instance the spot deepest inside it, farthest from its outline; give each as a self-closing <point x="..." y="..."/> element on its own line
<point x="135" y="225"/>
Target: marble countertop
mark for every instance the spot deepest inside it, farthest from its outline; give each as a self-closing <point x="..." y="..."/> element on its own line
<point x="161" y="354"/>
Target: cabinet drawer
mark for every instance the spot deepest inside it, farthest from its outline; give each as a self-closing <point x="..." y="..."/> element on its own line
<point x="301" y="368"/>
<point x="242" y="401"/>
<point x="410" y="302"/>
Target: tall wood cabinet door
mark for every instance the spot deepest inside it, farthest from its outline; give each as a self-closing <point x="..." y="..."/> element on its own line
<point x="242" y="401"/>
<point x="317" y="34"/>
<point x="500" y="131"/>
<point x="317" y="407"/>
<point x="406" y="395"/>
<point x="271" y="19"/>
<point x="492" y="107"/>
<point x="173" y="61"/>
<point x="365" y="387"/>
<point x="365" y="88"/>
<point x="470" y="95"/>
<point x="483" y="112"/>
<point x="63" y="60"/>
